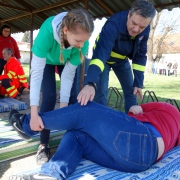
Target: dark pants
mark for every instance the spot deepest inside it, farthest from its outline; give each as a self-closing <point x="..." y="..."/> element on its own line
<point x="2" y="63"/>
<point x="49" y="95"/>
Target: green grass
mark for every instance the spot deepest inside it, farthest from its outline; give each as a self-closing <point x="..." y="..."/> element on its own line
<point x="27" y="72"/>
<point x="165" y="87"/>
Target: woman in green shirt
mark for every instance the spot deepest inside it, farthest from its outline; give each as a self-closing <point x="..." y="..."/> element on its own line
<point x="62" y="41"/>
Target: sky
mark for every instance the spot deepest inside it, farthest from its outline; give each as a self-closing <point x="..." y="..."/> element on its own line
<point x="171" y="19"/>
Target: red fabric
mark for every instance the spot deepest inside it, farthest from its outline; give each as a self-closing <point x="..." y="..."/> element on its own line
<point x="12" y="92"/>
<point x="14" y="70"/>
<point x="56" y="70"/>
<point x="165" y="118"/>
<point x="9" y="42"/>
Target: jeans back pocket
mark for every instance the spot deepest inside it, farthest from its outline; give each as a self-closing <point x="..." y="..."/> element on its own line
<point x="132" y="148"/>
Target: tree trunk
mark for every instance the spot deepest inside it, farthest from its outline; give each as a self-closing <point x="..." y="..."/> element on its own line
<point x="153" y="26"/>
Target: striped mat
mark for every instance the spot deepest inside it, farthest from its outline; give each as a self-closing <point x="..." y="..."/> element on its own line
<point x="166" y="169"/>
<point x="12" y="146"/>
<point x="7" y="104"/>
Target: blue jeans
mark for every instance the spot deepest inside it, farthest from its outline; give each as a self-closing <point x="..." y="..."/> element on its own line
<point x="123" y="72"/>
<point x="49" y="95"/>
<point x="100" y="134"/>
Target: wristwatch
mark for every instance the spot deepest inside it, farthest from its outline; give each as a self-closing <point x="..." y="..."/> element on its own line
<point x="92" y="84"/>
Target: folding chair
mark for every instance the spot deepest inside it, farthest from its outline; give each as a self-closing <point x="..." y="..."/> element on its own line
<point x="173" y="102"/>
<point x="117" y="99"/>
<point x="151" y="97"/>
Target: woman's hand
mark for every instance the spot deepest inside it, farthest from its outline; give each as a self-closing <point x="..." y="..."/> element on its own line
<point x="136" y="109"/>
<point x="63" y="104"/>
<point x="36" y="123"/>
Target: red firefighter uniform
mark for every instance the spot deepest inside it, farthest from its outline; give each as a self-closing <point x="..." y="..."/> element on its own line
<point x="13" y="78"/>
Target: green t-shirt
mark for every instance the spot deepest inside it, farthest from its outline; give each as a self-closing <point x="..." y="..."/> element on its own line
<point x="45" y="46"/>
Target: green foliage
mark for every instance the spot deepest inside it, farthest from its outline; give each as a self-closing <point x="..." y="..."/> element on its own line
<point x="26" y="37"/>
<point x="27" y="72"/>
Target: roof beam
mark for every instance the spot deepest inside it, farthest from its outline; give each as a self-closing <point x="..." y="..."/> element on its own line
<point x="46" y="8"/>
<point x="86" y="2"/>
<point x="16" y="27"/>
<point x="168" y="4"/>
<point x="23" y="3"/>
<point x="13" y="7"/>
<point x="56" y="5"/>
<point x="105" y="7"/>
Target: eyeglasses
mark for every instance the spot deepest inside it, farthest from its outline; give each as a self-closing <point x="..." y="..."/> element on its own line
<point x="6" y="31"/>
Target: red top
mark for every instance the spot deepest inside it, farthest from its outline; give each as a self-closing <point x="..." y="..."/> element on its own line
<point x="165" y="118"/>
<point x="9" y="42"/>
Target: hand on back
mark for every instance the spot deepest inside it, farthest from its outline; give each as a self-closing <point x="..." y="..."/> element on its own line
<point x="136" y="109"/>
<point x="86" y="94"/>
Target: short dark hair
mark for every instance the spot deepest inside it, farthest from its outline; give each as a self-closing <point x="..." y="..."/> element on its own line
<point x="3" y="27"/>
<point x="9" y="50"/>
<point x="143" y="8"/>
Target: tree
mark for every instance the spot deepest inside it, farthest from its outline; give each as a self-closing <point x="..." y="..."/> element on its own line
<point x="165" y="24"/>
<point x="26" y="37"/>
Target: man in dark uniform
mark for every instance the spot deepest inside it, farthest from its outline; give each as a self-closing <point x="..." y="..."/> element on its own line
<point x="124" y="36"/>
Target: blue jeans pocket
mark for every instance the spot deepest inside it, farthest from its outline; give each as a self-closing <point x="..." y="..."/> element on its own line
<point x="132" y="147"/>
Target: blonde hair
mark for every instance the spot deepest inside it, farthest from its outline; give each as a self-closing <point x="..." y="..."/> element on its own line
<point x="76" y="18"/>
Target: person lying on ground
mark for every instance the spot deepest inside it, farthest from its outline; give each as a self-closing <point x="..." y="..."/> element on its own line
<point x="110" y="138"/>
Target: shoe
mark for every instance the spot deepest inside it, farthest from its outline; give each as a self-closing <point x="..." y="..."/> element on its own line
<point x="42" y="155"/>
<point x="18" y="97"/>
<point x="15" y="120"/>
<point x="25" y="91"/>
<point x="31" y="177"/>
<point x="58" y="99"/>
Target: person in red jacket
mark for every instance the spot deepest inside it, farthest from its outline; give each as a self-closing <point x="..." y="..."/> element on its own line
<point x="13" y="81"/>
<point x="125" y="142"/>
<point x="7" y="41"/>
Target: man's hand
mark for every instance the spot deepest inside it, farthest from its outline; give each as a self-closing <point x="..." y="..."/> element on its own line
<point x="86" y="94"/>
<point x="138" y="92"/>
<point x="136" y="109"/>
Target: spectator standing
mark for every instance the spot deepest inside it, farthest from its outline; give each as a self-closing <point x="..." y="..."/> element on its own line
<point x="6" y="41"/>
<point x="154" y="67"/>
<point x="175" y="66"/>
<point x="169" y="65"/>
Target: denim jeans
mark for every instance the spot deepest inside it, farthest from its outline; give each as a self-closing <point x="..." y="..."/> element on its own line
<point x="49" y="95"/>
<point x="100" y="134"/>
<point x="123" y="72"/>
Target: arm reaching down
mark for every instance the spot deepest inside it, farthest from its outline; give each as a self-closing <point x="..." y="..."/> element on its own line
<point x="67" y="78"/>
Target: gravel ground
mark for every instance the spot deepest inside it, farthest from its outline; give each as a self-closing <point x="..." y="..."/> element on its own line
<point x="17" y="165"/>
<point x="20" y="164"/>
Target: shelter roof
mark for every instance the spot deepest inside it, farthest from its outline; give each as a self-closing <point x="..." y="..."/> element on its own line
<point x="24" y="15"/>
